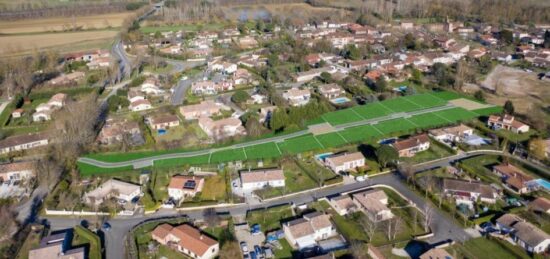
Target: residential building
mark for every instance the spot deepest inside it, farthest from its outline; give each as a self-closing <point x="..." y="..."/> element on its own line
<point x="260" y="178"/>
<point x="468" y="192"/>
<point x="17" y="113"/>
<point x="16" y="171"/>
<point x="113" y="188"/>
<point x="224" y="67"/>
<point x="436" y="253"/>
<point x="57" y="246"/>
<point x="313" y="73"/>
<point x="209" y="87"/>
<point x="223" y="128"/>
<point x="183" y="186"/>
<point x="343" y="204"/>
<point x="374" y="204"/>
<point x="135" y="95"/>
<point x="187" y="240"/>
<point x="306" y="231"/>
<point x="44" y="111"/>
<point x="23" y="142"/>
<point x="114" y="131"/>
<point x="409" y="147"/>
<point x="345" y="162"/>
<point x="513" y="178"/>
<point x="66" y="79"/>
<point x="140" y="105"/>
<point x="507" y="122"/>
<point x="297" y="97"/>
<point x="540" y="204"/>
<point x="452" y="134"/>
<point x="247" y="42"/>
<point x="331" y="91"/>
<point x="151" y="85"/>
<point x="242" y="77"/>
<point x="525" y="234"/>
<point x="163" y="121"/>
<point x="204" y="109"/>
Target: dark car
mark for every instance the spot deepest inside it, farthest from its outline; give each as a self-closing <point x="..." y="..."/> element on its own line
<point x="106" y="226"/>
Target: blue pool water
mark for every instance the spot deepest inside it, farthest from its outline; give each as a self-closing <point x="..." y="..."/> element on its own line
<point x="161" y="132"/>
<point x="322" y="157"/>
<point x="543" y="183"/>
<point x="340" y="100"/>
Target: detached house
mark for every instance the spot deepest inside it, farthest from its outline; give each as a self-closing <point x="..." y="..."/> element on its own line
<point x="525" y="234"/>
<point x="468" y="192"/>
<point x="204" y="109"/>
<point x="514" y="178"/>
<point x="113" y="188"/>
<point x="451" y="134"/>
<point x="374" y="204"/>
<point x="140" y="105"/>
<point x="163" y="121"/>
<point x="345" y="162"/>
<point x="306" y="231"/>
<point x="44" y="111"/>
<point x="187" y="240"/>
<point x="16" y="171"/>
<point x="114" y="131"/>
<point x="297" y="97"/>
<point x="183" y="186"/>
<point x="343" y="204"/>
<point x="151" y="85"/>
<point x="223" y="128"/>
<point x="331" y="91"/>
<point x="409" y="147"/>
<point x="57" y="246"/>
<point x="541" y="204"/>
<point x="260" y="178"/>
<point x="134" y="95"/>
<point x="23" y="142"/>
<point x="507" y="122"/>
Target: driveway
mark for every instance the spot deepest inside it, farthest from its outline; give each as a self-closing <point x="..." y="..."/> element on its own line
<point x="242" y="233"/>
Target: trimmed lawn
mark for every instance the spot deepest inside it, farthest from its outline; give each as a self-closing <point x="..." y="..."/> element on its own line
<point x="427" y="120"/>
<point x="456" y="114"/>
<point x="488" y="111"/>
<point x="195" y="160"/>
<point x="83" y="236"/>
<point x="299" y="144"/>
<point x="295" y="180"/>
<point x="445" y="95"/>
<point x="89" y="170"/>
<point x="159" y="185"/>
<point x="395" y="126"/>
<point x="482" y="247"/>
<point x="286" y="252"/>
<point x="215" y="188"/>
<point x="228" y="155"/>
<point x="401" y="105"/>
<point x="425" y="100"/>
<point x="331" y="139"/>
<point x="434" y="152"/>
<point x="341" y="117"/>
<point x="261" y="151"/>
<point x="360" y="133"/>
<point x="372" y="110"/>
<point x="269" y="219"/>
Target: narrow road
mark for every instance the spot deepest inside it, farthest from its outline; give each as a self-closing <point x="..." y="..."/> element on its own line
<point x="147" y="161"/>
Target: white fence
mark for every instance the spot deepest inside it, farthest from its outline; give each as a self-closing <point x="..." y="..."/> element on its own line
<point x="86" y="213"/>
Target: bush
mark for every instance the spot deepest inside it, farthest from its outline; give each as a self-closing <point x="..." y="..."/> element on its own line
<point x="240" y="96"/>
<point x="134" y="6"/>
<point x="137" y="81"/>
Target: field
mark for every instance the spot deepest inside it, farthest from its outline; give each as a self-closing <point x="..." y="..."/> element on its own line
<point x="373" y="110"/>
<point x="300" y="144"/>
<point x="267" y="150"/>
<point x="400" y="104"/>
<point x="287" y="10"/>
<point x="152" y="28"/>
<point x="64" y="42"/>
<point x="59" y="24"/>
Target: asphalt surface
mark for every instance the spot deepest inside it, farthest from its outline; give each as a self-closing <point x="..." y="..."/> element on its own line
<point x="178" y="95"/>
<point x="147" y="161"/>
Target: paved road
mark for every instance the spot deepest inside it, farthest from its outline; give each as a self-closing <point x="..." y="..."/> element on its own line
<point x="125" y="68"/>
<point x="178" y="96"/>
<point x="147" y="161"/>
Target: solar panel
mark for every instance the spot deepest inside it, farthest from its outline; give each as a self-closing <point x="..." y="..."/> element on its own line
<point x="190" y="184"/>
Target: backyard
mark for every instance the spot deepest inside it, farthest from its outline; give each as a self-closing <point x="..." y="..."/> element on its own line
<point x="270" y="219"/>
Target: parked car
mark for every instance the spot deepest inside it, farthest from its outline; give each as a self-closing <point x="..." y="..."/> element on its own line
<point x="258" y="249"/>
<point x="106" y="226"/>
<point x="253" y="255"/>
<point x="244" y="247"/>
<point x="255" y="229"/>
<point x="360" y="178"/>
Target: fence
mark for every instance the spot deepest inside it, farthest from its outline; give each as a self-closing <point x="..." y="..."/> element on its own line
<point x="85" y="213"/>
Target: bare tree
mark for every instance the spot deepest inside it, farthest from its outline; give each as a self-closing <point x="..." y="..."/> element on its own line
<point x="428" y="212"/>
<point x="369" y="226"/>
<point x="358" y="250"/>
<point x="407" y="171"/>
<point x="7" y="217"/>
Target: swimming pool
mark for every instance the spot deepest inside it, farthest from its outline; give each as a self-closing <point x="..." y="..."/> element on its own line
<point x="340" y="100"/>
<point x="321" y="157"/>
<point x="543" y="183"/>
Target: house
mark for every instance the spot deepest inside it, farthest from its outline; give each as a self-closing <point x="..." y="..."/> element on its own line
<point x="16" y="171"/>
<point x="65" y="79"/>
<point x="507" y="122"/>
<point x="209" y="87"/>
<point x="140" y="105"/>
<point x="163" y="121"/>
<point x="468" y="192"/>
<point x="151" y="85"/>
<point x="342" y="204"/>
<point x="260" y="178"/>
<point x="98" y="63"/>
<point x="58" y="100"/>
<point x="452" y="134"/>
<point x="345" y="162"/>
<point x="44" y="115"/>
<point x="113" y="188"/>
<point x="183" y="186"/>
<point x="114" y="131"/>
<point x="540" y="204"/>
<point x="306" y="231"/>
<point x="409" y="147"/>
<point x="242" y="77"/>
<point x="297" y="97"/>
<point x="223" y="128"/>
<point x="204" y="109"/>
<point x="17" y="113"/>
<point x="406" y="25"/>
<point x="436" y="253"/>
<point x="374" y="204"/>
<point x="513" y="178"/>
<point x="445" y="42"/>
<point x="266" y="113"/>
<point x="313" y="73"/>
<point x="23" y="142"/>
<point x="134" y="95"/>
<point x="57" y="246"/>
<point x="224" y="67"/>
<point x="312" y="59"/>
<point x="331" y="91"/>
<point x="247" y="42"/>
<point x="187" y="240"/>
<point x="525" y="234"/>
<point x="44" y="111"/>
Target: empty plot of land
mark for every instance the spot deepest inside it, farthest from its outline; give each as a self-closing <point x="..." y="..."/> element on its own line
<point x="19" y="44"/>
<point x="468" y="104"/>
<point x="58" y="24"/>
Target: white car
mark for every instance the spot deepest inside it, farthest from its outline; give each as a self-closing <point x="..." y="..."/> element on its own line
<point x="361" y="178"/>
<point x="184" y="78"/>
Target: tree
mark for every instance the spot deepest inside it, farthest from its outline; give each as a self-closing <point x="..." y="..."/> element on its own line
<point x="326" y="77"/>
<point x="358" y="250"/>
<point x="253" y="127"/>
<point x="279" y="120"/>
<point x="428" y="212"/>
<point x="479" y="95"/>
<point x="386" y="154"/>
<point x="157" y="35"/>
<point x="547" y="39"/>
<point x="240" y="96"/>
<point x="380" y="85"/>
<point x="406" y="170"/>
<point x="369" y="226"/>
<point x="537" y="148"/>
<point x="507" y="36"/>
<point x="230" y="250"/>
<point x="509" y="107"/>
<point x="7" y="217"/>
<point x="211" y="217"/>
<point x="352" y="52"/>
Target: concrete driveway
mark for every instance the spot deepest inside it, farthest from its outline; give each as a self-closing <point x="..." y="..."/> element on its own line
<point x="242" y="233"/>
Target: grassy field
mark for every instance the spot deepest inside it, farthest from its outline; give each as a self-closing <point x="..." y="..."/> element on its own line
<point x="299" y="144"/>
<point x="214" y="187"/>
<point x="57" y="24"/>
<point x="342" y="117"/>
<point x="400" y="104"/>
<point x="360" y="133"/>
<point x="333" y="139"/>
<point x="428" y="120"/>
<point x="373" y="110"/>
<point x="228" y="155"/>
<point x="261" y="151"/>
<point x="394" y="126"/>
<point x="269" y="219"/>
<point x="73" y="41"/>
<point x="482" y="247"/>
<point x="425" y="100"/>
<point x="83" y="236"/>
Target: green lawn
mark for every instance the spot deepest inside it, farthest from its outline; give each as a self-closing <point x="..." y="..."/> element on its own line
<point x="445" y="95"/>
<point x="286" y="252"/>
<point x="295" y="180"/>
<point x="88" y="170"/>
<point x="333" y="139"/>
<point x="372" y="110"/>
<point x="482" y="247"/>
<point x="456" y="114"/>
<point x="194" y="160"/>
<point x="228" y="155"/>
<point x="425" y="100"/>
<point x="428" y="120"/>
<point x="262" y="151"/>
<point x="360" y="133"/>
<point x="394" y="126"/>
<point x="299" y="144"/>
<point x="83" y="236"/>
<point x="434" y="152"/>
<point x="269" y="219"/>
<point x="341" y="117"/>
<point x="400" y="104"/>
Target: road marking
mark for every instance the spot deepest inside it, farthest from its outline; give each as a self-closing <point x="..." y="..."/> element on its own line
<point x="387" y="108"/>
<point x="381" y="133"/>
<point x="318" y="142"/>
<point x="412" y="122"/>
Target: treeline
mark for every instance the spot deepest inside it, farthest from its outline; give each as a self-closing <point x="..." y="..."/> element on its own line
<point x="493" y="11"/>
<point x="26" y="10"/>
<point x="250" y="2"/>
